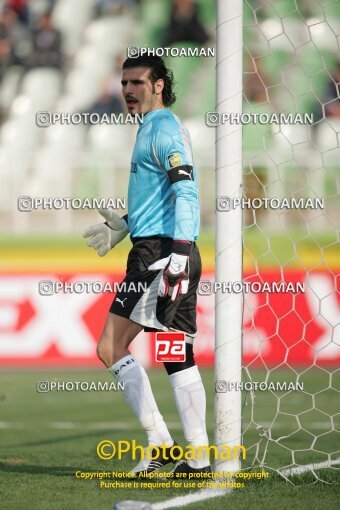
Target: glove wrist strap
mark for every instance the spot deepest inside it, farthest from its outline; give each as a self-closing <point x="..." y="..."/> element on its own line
<point x="181" y="247"/>
<point x="106" y="223"/>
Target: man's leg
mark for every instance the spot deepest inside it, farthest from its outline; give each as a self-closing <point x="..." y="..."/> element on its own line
<point x="190" y="400"/>
<point x="113" y="351"/>
<point x="185" y="378"/>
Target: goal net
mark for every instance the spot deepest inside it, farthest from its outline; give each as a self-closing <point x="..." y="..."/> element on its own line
<point x="291" y="213"/>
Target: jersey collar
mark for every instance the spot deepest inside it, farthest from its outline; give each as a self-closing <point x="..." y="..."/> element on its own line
<point x="153" y="114"/>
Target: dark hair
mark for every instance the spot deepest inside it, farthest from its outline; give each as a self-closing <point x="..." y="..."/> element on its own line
<point x="159" y="71"/>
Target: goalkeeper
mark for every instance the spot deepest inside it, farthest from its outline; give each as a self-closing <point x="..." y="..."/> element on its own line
<point x="163" y="223"/>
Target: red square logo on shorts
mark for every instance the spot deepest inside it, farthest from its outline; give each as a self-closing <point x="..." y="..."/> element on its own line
<point x="170" y="346"/>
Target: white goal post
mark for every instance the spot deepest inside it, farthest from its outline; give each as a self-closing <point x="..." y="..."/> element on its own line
<point x="228" y="307"/>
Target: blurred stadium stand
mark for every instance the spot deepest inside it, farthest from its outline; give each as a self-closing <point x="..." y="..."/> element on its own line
<point x="64" y="56"/>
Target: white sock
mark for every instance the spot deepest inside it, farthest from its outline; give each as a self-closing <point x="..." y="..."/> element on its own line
<point x="191" y="404"/>
<point x="137" y="392"/>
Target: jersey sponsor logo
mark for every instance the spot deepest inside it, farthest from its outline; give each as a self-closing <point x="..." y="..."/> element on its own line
<point x="175" y="160"/>
<point x="170" y="347"/>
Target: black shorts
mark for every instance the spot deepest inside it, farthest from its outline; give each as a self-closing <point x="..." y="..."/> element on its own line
<point x="138" y="298"/>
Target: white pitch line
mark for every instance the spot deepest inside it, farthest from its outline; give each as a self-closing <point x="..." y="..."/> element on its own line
<point x="209" y="493"/>
<point x="11" y="425"/>
<point x="190" y="498"/>
<point x="100" y="425"/>
<point x="131" y="426"/>
<point x="299" y="470"/>
<point x="68" y="425"/>
<point x="62" y="425"/>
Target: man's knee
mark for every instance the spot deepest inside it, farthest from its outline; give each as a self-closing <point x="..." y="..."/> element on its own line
<point x="104" y="353"/>
<point x="115" y="339"/>
<point x="177" y="366"/>
<point x="109" y="350"/>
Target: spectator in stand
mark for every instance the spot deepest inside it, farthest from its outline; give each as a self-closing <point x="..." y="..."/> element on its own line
<point x="331" y="100"/>
<point x="185" y="24"/>
<point x="107" y="103"/>
<point x="108" y="7"/>
<point x="111" y="99"/>
<point x="5" y="53"/>
<point x="21" y="8"/>
<point x="46" y="45"/>
<point x="16" y="42"/>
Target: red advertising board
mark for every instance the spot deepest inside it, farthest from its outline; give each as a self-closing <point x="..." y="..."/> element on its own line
<point x="62" y="329"/>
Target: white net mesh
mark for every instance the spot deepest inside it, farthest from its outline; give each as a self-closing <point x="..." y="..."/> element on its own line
<point x="291" y="65"/>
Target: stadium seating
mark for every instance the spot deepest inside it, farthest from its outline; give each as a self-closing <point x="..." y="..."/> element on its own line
<point x="66" y="137"/>
<point x="14" y="168"/>
<point x="9" y="87"/>
<point x="294" y="59"/>
<point x="52" y="175"/>
<point x="79" y="96"/>
<point x="71" y="18"/>
<point x="43" y="87"/>
<point x="110" y="36"/>
<point x="203" y="141"/>
<point x="154" y="15"/>
<point x="20" y="133"/>
<point x="111" y="141"/>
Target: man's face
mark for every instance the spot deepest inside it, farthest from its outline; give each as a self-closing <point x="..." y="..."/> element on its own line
<point x="141" y="95"/>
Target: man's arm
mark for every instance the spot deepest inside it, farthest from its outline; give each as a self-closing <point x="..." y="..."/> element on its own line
<point x="186" y="208"/>
<point x="105" y="236"/>
<point x="173" y="153"/>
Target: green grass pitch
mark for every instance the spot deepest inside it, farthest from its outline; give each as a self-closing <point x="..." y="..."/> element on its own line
<point x="47" y="437"/>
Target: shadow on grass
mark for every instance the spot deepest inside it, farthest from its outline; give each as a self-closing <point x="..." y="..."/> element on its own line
<point x="9" y="467"/>
<point x="62" y="439"/>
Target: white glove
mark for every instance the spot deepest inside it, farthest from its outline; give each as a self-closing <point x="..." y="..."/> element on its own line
<point x="105" y="237"/>
<point x="175" y="277"/>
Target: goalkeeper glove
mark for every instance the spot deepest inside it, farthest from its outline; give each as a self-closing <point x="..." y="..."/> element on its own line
<point x="175" y="277"/>
<point x="105" y="236"/>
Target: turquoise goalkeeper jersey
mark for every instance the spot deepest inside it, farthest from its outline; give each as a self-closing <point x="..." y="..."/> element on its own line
<point x="163" y="188"/>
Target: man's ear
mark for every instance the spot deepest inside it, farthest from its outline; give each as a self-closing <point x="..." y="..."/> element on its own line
<point x="159" y="86"/>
